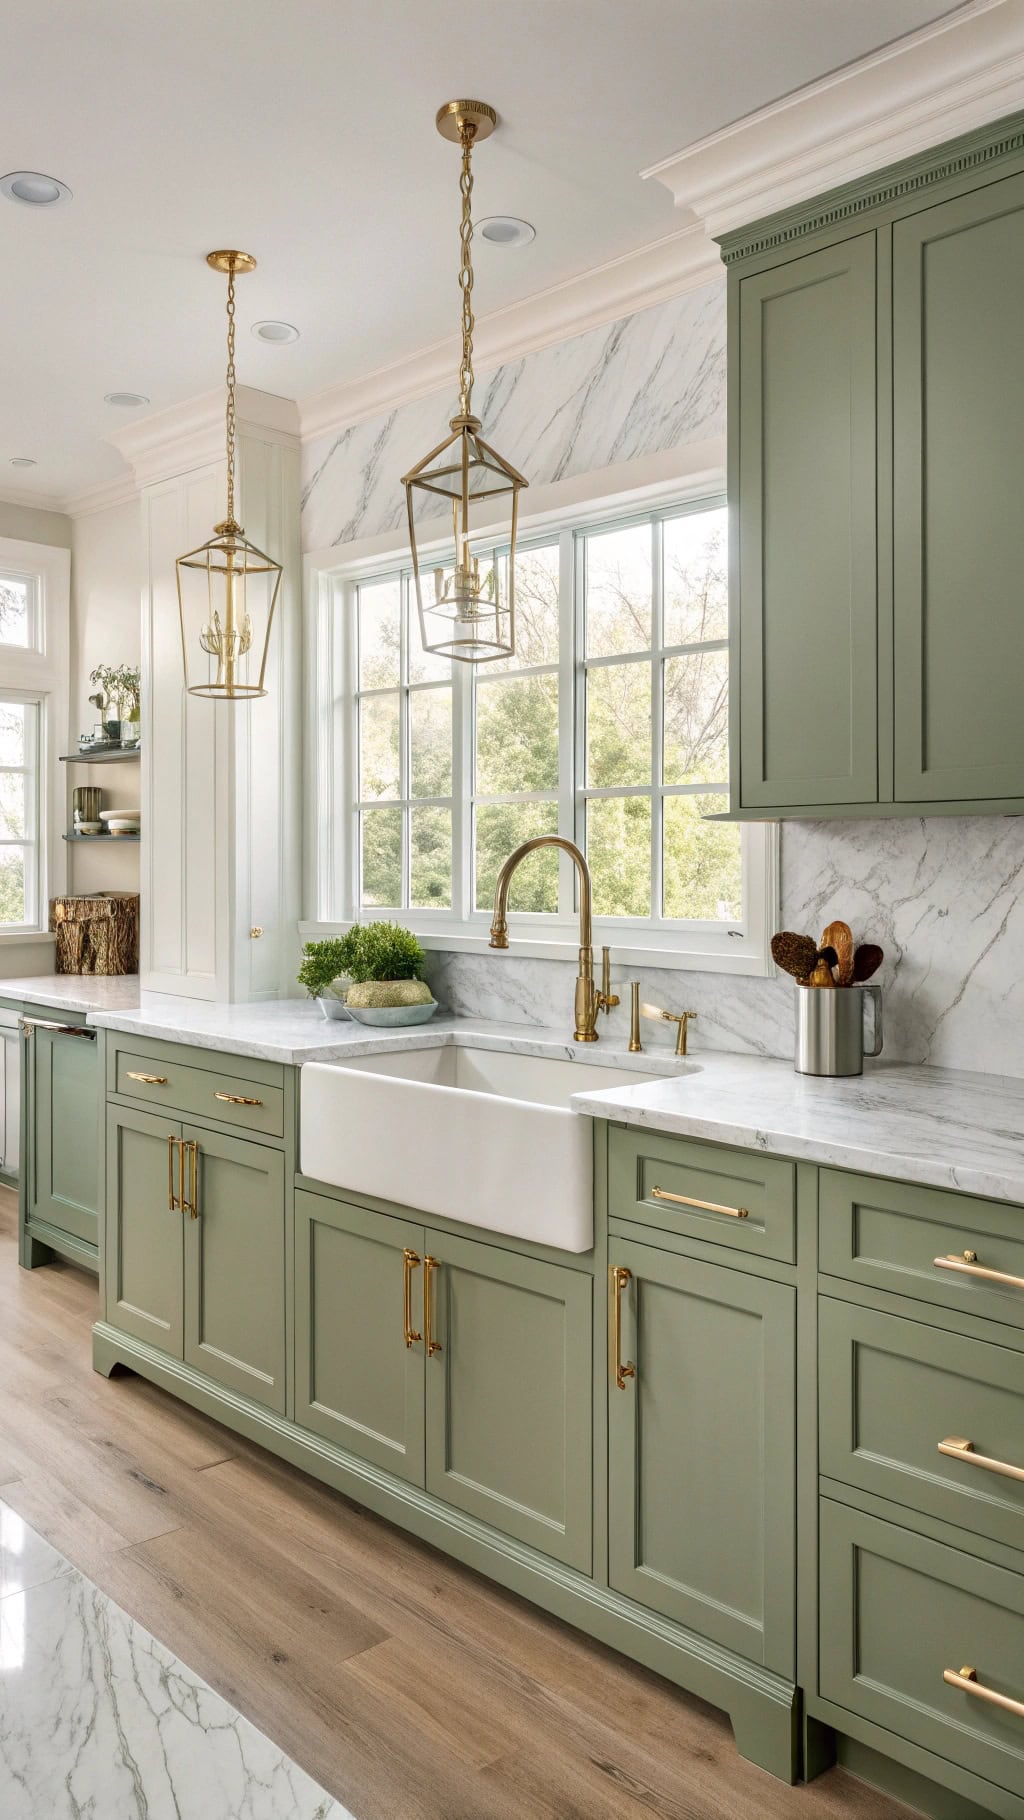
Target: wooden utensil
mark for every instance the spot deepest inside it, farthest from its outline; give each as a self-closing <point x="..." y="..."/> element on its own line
<point x="838" y="936"/>
<point x="795" y="954"/>
<point x="825" y="960"/>
<point x="866" y="961"/>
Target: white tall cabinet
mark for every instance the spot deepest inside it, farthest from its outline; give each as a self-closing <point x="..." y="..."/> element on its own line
<point x="221" y="815"/>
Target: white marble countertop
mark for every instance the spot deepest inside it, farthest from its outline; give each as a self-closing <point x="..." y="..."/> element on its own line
<point x="939" y="1126"/>
<point x="75" y="991"/>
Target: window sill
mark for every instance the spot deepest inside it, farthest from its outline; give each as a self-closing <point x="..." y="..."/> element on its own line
<point x="15" y="938"/>
<point x="628" y="947"/>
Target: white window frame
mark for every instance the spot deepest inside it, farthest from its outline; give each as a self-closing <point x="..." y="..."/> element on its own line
<point x="39" y="673"/>
<point x="332" y="858"/>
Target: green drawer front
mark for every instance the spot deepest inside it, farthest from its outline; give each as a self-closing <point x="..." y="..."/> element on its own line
<point x="732" y="1197"/>
<point x="230" y="1099"/>
<point x="889" y="1235"/>
<point x="892" y="1391"/>
<point x="896" y="1610"/>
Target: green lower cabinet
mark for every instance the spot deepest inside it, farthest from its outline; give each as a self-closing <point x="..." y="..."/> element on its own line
<point x="143" y="1252"/>
<point x="357" y="1382"/>
<point x="701" y="1469"/>
<point x="234" y="1327"/>
<point x="63" y="1109"/>
<point x="508" y="1411"/>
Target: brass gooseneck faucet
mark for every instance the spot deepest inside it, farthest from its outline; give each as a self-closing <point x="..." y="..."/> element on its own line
<point x="589" y="1001"/>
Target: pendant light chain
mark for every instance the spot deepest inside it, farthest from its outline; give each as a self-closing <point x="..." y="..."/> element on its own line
<point x="467" y="134"/>
<point x="230" y="411"/>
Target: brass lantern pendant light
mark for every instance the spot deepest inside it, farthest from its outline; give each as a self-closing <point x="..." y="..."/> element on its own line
<point x="469" y="610"/>
<point x="227" y="586"/>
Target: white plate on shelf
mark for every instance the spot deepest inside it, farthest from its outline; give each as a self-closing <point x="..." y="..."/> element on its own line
<point x="121" y="815"/>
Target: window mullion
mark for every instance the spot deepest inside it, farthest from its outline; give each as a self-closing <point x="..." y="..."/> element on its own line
<point x="567" y="716"/>
<point x="462" y="790"/>
<point x="657" y="717"/>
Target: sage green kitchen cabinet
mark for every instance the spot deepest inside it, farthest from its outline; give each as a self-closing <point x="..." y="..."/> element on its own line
<point x="876" y="389"/>
<point x="143" y="1251"/>
<point x="60" y="1164"/>
<point x="702" y="1449"/>
<point x="508" y="1393"/>
<point x="234" y="1265"/>
<point x="357" y="1382"/>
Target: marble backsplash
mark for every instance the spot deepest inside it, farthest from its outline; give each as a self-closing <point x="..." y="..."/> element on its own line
<point x="943" y="898"/>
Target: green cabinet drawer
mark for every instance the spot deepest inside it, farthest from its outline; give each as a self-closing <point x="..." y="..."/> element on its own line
<point x="897" y="1611"/>
<point x="893" y="1391"/>
<point x="160" y="1079"/>
<point x="703" y="1191"/>
<point x="924" y="1242"/>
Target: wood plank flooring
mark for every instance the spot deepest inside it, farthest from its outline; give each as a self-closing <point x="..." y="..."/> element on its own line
<point x="407" y="1685"/>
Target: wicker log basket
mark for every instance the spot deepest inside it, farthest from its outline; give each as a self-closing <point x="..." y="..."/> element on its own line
<point x="98" y="933"/>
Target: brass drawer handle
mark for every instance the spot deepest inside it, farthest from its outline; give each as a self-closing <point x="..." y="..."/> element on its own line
<point x="618" y="1277"/>
<point x="429" y="1266"/>
<point x="687" y="1200"/>
<point x="410" y="1261"/>
<point x="190" y="1202"/>
<point x="151" y="1080"/>
<point x="956" y="1448"/>
<point x="967" y="1678"/>
<point x="173" y="1201"/>
<point x="966" y="1262"/>
<point x="236" y="1099"/>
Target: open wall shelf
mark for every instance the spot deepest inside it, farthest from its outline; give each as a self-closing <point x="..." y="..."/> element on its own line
<point x="115" y="757"/>
<point x="105" y="840"/>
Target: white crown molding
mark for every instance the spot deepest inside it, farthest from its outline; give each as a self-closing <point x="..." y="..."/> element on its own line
<point x="37" y="502"/>
<point x="679" y="262"/>
<point x="191" y="434"/>
<point x="101" y="498"/>
<point x="960" y="72"/>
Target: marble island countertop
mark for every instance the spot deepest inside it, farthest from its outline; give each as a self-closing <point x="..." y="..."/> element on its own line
<point x="74" y="991"/>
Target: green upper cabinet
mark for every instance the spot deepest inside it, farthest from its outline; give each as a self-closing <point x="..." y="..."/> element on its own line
<point x="805" y="391"/>
<point x="958" y="408"/>
<point x="876" y="393"/>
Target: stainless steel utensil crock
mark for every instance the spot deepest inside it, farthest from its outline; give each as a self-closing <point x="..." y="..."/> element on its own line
<point x="830" y="1029"/>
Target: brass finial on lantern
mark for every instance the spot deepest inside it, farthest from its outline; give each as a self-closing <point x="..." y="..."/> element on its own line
<point x="468" y="613"/>
<point x="228" y="611"/>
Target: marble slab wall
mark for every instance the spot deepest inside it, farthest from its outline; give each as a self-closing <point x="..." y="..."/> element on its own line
<point x="942" y="896"/>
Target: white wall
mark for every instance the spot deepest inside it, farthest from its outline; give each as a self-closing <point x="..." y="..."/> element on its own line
<point x="106" y="628"/>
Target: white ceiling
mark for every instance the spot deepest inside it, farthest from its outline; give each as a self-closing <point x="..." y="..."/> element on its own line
<point x="302" y="131"/>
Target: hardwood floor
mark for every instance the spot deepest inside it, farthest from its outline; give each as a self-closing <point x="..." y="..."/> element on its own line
<point x="408" y="1686"/>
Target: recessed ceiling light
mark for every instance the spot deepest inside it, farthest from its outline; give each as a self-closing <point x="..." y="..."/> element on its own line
<point x="22" y="461"/>
<point x="277" y="332"/>
<point x="507" y="230"/>
<point x="35" y="190"/>
<point x="126" y="400"/>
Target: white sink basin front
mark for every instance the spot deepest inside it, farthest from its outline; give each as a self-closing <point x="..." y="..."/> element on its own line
<point x="472" y="1134"/>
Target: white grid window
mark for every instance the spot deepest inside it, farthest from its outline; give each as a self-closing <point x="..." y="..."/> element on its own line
<point x="20" y="865"/>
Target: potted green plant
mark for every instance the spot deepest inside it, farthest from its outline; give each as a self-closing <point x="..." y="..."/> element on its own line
<point x="323" y="974"/>
<point x="385" y="964"/>
<point x="120" y="685"/>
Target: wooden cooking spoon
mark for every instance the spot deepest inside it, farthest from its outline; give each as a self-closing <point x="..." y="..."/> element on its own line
<point x="838" y="936"/>
<point x="866" y="961"/>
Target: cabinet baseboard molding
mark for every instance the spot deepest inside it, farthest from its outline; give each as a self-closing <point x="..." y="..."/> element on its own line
<point x="764" y="1708"/>
<point x="65" y="1244"/>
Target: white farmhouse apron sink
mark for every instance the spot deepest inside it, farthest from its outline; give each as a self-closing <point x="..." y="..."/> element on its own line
<point x="472" y="1134"/>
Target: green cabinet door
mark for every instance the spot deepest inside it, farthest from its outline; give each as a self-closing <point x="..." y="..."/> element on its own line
<point x="235" y="1265"/>
<point x="803" y="407"/>
<point x="357" y="1382"/>
<point x="701" y="1460"/>
<point x="143" y="1239"/>
<point x="958" y="406"/>
<point x="509" y="1386"/>
<point x="63" y="1115"/>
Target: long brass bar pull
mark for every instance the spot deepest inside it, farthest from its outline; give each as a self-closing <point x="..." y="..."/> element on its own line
<point x="190" y="1156"/>
<point x="966" y="1262"/>
<point x="956" y="1448"/>
<point x="619" y="1276"/>
<point x="236" y="1099"/>
<point x="687" y="1200"/>
<point x="967" y="1678"/>
<point x="429" y="1266"/>
<point x="151" y="1080"/>
<point x="173" y="1200"/>
<point x="410" y="1262"/>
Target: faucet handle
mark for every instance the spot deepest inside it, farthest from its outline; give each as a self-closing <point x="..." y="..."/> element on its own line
<point x="682" y="1018"/>
<point x="606" y="998"/>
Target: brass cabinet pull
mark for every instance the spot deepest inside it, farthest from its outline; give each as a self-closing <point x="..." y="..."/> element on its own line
<point x="618" y="1277"/>
<point x="967" y="1678"/>
<point x="410" y="1261"/>
<point x="687" y="1200"/>
<point x="955" y="1447"/>
<point x="429" y="1266"/>
<point x="236" y="1099"/>
<point x="966" y="1262"/>
<point x="28" y="1024"/>
<point x="151" y="1080"/>
<point x="190" y="1201"/>
<point x="173" y="1200"/>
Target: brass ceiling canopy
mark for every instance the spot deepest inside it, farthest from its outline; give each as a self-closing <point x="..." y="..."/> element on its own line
<point x="469" y="611"/>
<point x="240" y="583"/>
